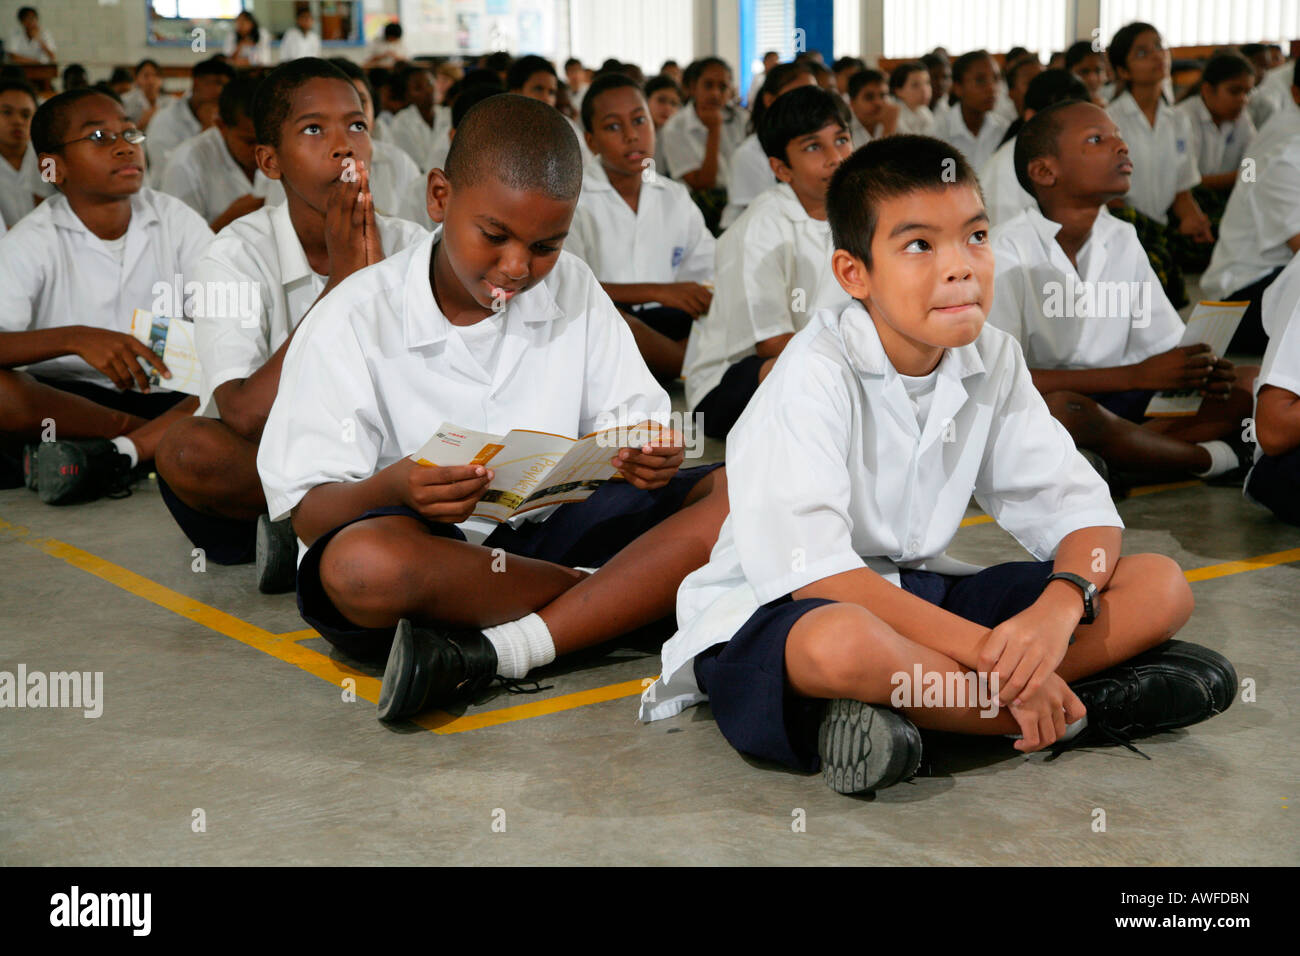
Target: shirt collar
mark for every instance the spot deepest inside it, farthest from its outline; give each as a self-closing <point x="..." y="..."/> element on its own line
<point x="61" y="214"/>
<point x="425" y="323"/>
<point x="288" y="248"/>
<point x="867" y="353"/>
<point x="595" y="179"/>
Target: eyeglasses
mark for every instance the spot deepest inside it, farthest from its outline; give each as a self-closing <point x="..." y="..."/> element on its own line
<point x="107" y="137"/>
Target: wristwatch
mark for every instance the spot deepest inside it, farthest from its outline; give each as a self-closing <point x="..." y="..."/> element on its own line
<point x="1089" y="593"/>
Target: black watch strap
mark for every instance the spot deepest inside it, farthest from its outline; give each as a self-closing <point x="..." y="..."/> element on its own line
<point x="1089" y="593"/>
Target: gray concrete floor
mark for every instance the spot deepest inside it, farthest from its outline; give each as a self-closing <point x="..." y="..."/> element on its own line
<point x="287" y="772"/>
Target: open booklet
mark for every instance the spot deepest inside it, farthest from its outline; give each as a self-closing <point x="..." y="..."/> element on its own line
<point x="172" y="340"/>
<point x="1214" y="324"/>
<point x="533" y="469"/>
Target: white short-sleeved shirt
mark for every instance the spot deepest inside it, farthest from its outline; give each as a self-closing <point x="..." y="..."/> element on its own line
<point x="1259" y="219"/>
<point x="134" y="102"/>
<point x="684" y="138"/>
<point x="859" y="135"/>
<point x="18" y="186"/>
<point x="919" y="121"/>
<point x="379" y="352"/>
<point x="951" y="128"/>
<point x="664" y="240"/>
<point x="1004" y="197"/>
<point x="54" y="272"/>
<point x="1280" y="310"/>
<point x="774" y="260"/>
<point x="423" y="143"/>
<point x="391" y="174"/>
<point x="1070" y="318"/>
<point x="1164" y="156"/>
<point x="1218" y="147"/>
<point x="295" y="44"/>
<point x="20" y="44"/>
<point x="415" y="204"/>
<point x="259" y="54"/>
<point x="203" y="175"/>
<point x="260" y="261"/>
<point x="751" y="174"/>
<point x="828" y="470"/>
<point x="169" y="128"/>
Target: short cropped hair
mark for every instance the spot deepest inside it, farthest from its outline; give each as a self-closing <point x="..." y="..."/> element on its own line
<point x="23" y="11"/>
<point x="22" y="86"/>
<point x="213" y="66"/>
<point x="1226" y="65"/>
<point x="1079" y="51"/>
<point x="1013" y="68"/>
<point x="1040" y="137"/>
<point x="603" y="84"/>
<point x="898" y="76"/>
<point x="661" y="82"/>
<point x="797" y="113"/>
<point x="781" y="75"/>
<point x="888" y="168"/>
<point x="526" y="66"/>
<point x="50" y="121"/>
<point x="392" y="31"/>
<point x="864" y="78"/>
<point x="356" y="75"/>
<point x="966" y="61"/>
<point x="273" y="100"/>
<point x="522" y="142"/>
<point x="236" y="100"/>
<point x="848" y="63"/>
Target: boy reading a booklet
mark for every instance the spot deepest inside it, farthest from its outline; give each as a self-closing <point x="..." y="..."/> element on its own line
<point x="850" y="473"/>
<point x="485" y="325"/>
<point x="276" y="263"/>
<point x="72" y="274"/>
<point x="1099" y="334"/>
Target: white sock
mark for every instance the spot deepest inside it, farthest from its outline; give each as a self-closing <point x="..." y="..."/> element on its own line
<point x="1071" y="731"/>
<point x="521" y="645"/>
<point x="1222" y="459"/>
<point x="127" y="447"/>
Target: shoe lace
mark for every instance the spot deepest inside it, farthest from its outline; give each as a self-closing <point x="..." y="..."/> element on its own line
<point x="515" y="686"/>
<point x="1097" y="725"/>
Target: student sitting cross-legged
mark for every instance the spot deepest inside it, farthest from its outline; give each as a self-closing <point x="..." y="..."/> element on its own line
<point x="1274" y="481"/>
<point x="639" y="231"/>
<point x="271" y="267"/>
<point x="773" y="265"/>
<point x="1099" y="334"/>
<point x="487" y="325"/>
<point x="849" y="475"/>
<point x="72" y="274"/>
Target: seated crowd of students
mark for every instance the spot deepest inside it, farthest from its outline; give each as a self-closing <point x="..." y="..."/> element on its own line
<point x="854" y="277"/>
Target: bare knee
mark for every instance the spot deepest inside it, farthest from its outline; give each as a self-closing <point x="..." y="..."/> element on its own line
<point x="1167" y="597"/>
<point x="841" y="648"/>
<point x="363" y="574"/>
<point x="195" y="453"/>
<point x="18" y="412"/>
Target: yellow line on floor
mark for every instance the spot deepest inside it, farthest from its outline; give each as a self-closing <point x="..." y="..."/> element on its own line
<point x="445" y="724"/>
<point x="1248" y="564"/>
<point x="1137" y="492"/>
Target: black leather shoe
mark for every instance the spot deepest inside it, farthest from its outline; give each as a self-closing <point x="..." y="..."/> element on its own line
<point x="80" y="470"/>
<point x="1174" y="685"/>
<point x="277" y="555"/>
<point x="431" y="667"/>
<point x="865" y="748"/>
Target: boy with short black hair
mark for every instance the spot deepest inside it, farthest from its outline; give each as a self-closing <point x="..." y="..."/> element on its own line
<point x="534" y="77"/>
<point x="772" y="268"/>
<point x="72" y="274"/>
<point x="874" y="115"/>
<point x="22" y="187"/>
<point x="278" y="263"/>
<point x="185" y="118"/>
<point x="420" y="128"/>
<point x="488" y="325"/>
<point x="830" y="582"/>
<point x="1100" y="358"/>
<point x="971" y="125"/>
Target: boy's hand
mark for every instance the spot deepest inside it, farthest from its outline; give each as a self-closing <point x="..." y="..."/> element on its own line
<point x="374" y="247"/>
<point x="652" y="465"/>
<point x="446" y="494"/>
<point x="1186" y="366"/>
<point x="1223" y="375"/>
<point x="1042" y="716"/>
<point x="1197" y="225"/>
<point x="115" y="354"/>
<point x="345" y="223"/>
<point x="711" y="118"/>
<point x="1026" y="649"/>
<point x="691" y="297"/>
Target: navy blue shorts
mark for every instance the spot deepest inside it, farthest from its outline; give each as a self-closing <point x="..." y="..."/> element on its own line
<point x="1130" y="404"/>
<point x="664" y="319"/>
<point x="750" y="697"/>
<point x="726" y="400"/>
<point x="139" y="404"/>
<point x="1274" y="482"/>
<point x="584" y="534"/>
<point x="223" y="540"/>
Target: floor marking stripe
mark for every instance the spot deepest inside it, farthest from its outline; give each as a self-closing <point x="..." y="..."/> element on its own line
<point x="446" y="724"/>
<point x="1248" y="564"/>
<point x="1137" y="492"/>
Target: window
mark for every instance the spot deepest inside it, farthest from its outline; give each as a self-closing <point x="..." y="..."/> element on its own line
<point x="644" y="32"/>
<point x="914" y="27"/>
<point x="1206" y="22"/>
<point x="172" y="22"/>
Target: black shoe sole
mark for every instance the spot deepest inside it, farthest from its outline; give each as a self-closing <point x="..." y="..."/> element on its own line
<point x="277" y="564"/>
<point x="30" y="466"/>
<point x="865" y="748"/>
<point x="398" y="674"/>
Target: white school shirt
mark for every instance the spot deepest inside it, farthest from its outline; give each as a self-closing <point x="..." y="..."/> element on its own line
<point x="1280" y="311"/>
<point x="1004" y="197"/>
<point x="828" y="471"/>
<point x="260" y="260"/>
<point x="664" y="240"/>
<point x="379" y="353"/>
<point x="919" y="121"/>
<point x="860" y="135"/>
<point x="414" y="206"/>
<point x="18" y="186"/>
<point x="774" y="258"/>
<point x="751" y="174"/>
<point x="392" y="174"/>
<point x="1164" y="159"/>
<point x="295" y="44"/>
<point x="258" y="55"/>
<point x="1259" y="219"/>
<point x="168" y="129"/>
<point x="134" y="102"/>
<point x="1218" y="147"/>
<point x="951" y="128"/>
<point x="54" y="272"/>
<point x="20" y="44"/>
<point x="1034" y="276"/>
<point x="684" y="138"/>
<point x="421" y="141"/>
<point x="203" y="175"/>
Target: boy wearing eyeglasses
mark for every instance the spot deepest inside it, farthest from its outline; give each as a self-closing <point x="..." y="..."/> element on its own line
<point x="72" y="273"/>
